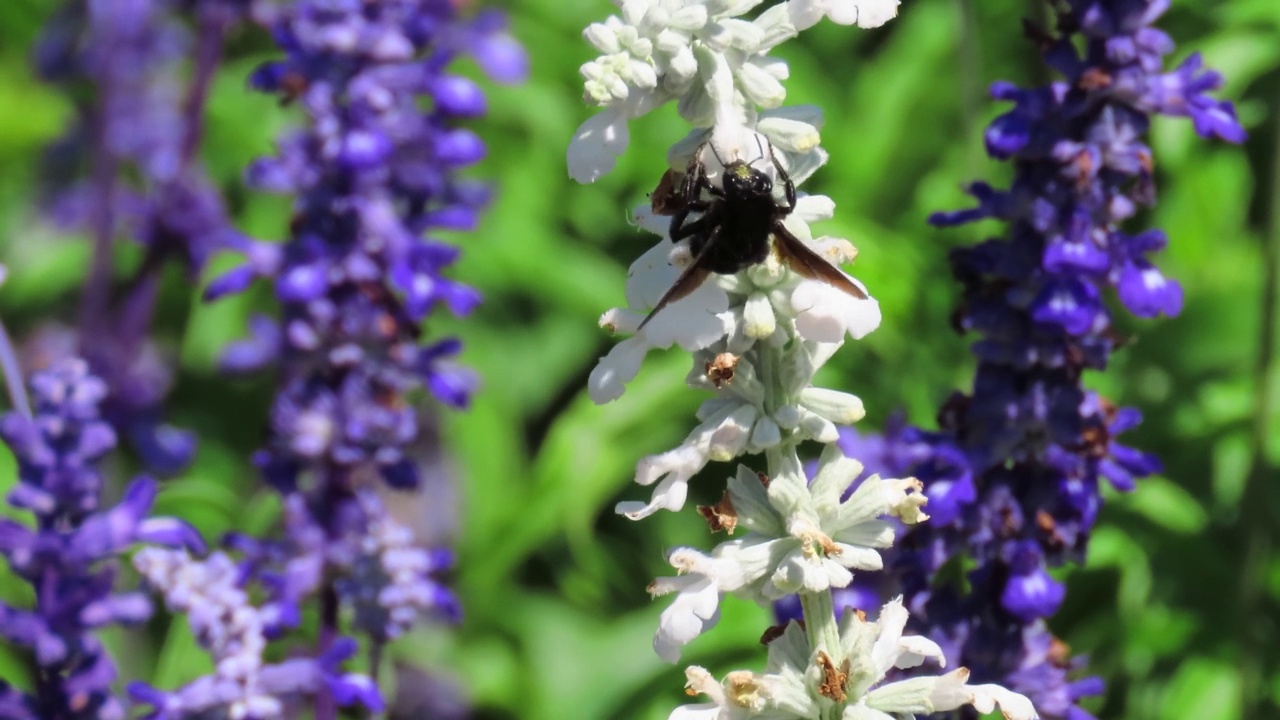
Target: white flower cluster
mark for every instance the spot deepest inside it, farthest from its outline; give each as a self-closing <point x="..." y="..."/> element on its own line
<point x="699" y="53"/>
<point x="804" y="683"/>
<point x="800" y="538"/>
<point x="223" y="621"/>
<point x="758" y="336"/>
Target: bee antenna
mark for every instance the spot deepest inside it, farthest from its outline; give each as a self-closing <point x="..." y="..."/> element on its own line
<point x="715" y="153"/>
<point x="761" y="148"/>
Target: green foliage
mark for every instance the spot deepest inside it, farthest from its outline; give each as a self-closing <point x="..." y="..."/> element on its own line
<point x="558" y="624"/>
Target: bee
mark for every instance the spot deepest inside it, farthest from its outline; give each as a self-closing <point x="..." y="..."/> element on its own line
<point x="735" y="226"/>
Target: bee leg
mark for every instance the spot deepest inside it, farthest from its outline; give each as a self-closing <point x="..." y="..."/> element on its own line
<point x="807" y="263"/>
<point x="678" y="229"/>
<point x="689" y="280"/>
<point x="787" y="184"/>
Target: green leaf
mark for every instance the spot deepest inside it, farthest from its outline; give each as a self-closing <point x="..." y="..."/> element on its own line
<point x="1167" y="505"/>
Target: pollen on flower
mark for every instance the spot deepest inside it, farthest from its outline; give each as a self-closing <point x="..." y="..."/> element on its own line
<point x="720" y="369"/>
<point x="908" y="510"/>
<point x="744" y="689"/>
<point x="834" y="680"/>
<point x="720" y="516"/>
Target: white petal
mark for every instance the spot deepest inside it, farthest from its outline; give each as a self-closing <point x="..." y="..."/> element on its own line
<point x="644" y="217"/>
<point x="693" y="322"/>
<point x="839" y="407"/>
<point x="669" y="495"/>
<point x="892" y="620"/>
<point x="765" y="434"/>
<point x="806" y="13"/>
<point x="730" y="439"/>
<point x="816" y="427"/>
<point x="843" y="12"/>
<point x="917" y="649"/>
<point x="760" y="85"/>
<point x="858" y="558"/>
<point x="876" y="497"/>
<point x="758" y="316"/>
<point x="874" y="13"/>
<point x="814" y="208"/>
<point x="701" y="711"/>
<point x="596" y="145"/>
<point x="611" y="374"/>
<point x="689" y="18"/>
<point x="825" y="314"/>
<point x="651" y="275"/>
<point x="1012" y="705"/>
<point x="602" y="37"/>
<point x="693" y="612"/>
<point x="775" y="27"/>
<point x="673" y="468"/>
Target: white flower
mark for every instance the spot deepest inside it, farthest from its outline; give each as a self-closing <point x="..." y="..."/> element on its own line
<point x="743" y="695"/>
<point x="782" y="692"/>
<point x="803" y="538"/>
<point x="699" y="53"/>
<point x="702" y="582"/>
<point x="825" y="314"/>
<point x="724" y="433"/>
<point x="762" y="301"/>
<point x="877" y="647"/>
<point x="863" y="13"/>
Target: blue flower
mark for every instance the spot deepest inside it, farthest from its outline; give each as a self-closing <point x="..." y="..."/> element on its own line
<point x="1013" y="474"/>
<point x="66" y="556"/>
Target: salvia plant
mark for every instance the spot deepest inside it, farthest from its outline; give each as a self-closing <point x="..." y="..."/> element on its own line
<point x="885" y="612"/>
<point x="127" y="167"/>
<point x="374" y="171"/>
<point x="757" y="338"/>
<point x="1014" y="471"/>
<point x="68" y="554"/>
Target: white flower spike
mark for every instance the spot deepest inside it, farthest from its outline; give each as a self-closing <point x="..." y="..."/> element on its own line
<point x="758" y="326"/>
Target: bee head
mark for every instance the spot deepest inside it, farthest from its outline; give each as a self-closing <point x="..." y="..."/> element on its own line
<point x="743" y="181"/>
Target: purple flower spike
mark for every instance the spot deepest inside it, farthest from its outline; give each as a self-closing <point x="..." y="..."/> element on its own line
<point x="234" y="631"/>
<point x="66" y="556"/>
<point x="139" y="118"/>
<point x="373" y="171"/>
<point x="1013" y="476"/>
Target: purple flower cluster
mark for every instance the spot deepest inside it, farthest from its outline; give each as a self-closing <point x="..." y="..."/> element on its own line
<point x="67" y="555"/>
<point x="127" y="168"/>
<point x="376" y="174"/>
<point x="1013" y="473"/>
<point x="224" y="621"/>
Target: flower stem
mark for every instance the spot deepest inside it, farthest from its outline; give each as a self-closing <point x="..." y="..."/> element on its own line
<point x="326" y="707"/>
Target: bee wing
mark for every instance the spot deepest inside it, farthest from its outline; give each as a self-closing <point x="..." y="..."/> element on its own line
<point x="810" y="264"/>
<point x="689" y="280"/>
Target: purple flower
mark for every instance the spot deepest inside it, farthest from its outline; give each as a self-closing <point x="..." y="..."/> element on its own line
<point x="1015" y="468"/>
<point x="127" y="167"/>
<point x="234" y="632"/>
<point x="66" y="556"/>
<point x="375" y="173"/>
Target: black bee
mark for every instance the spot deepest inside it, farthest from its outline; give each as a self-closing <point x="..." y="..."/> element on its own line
<point x="735" y="226"/>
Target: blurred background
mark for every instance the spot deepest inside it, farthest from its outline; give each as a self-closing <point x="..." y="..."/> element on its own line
<point x="558" y="624"/>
